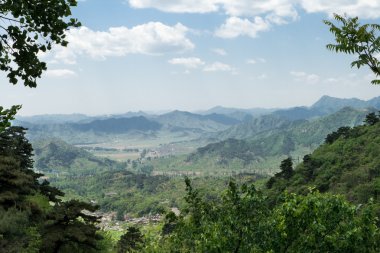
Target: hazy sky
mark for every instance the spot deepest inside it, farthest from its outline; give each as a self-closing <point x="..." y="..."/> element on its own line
<point x="134" y="55"/>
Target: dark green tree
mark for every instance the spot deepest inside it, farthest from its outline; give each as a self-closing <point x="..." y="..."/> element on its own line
<point x="68" y="228"/>
<point x="31" y="210"/>
<point x="353" y="38"/>
<point x="341" y="132"/>
<point x="371" y="119"/>
<point x="17" y="180"/>
<point x="131" y="241"/>
<point x="286" y="168"/>
<point x="27" y="28"/>
<point x="308" y="167"/>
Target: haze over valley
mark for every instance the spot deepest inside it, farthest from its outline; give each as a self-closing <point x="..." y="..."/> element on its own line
<point x="189" y="126"/>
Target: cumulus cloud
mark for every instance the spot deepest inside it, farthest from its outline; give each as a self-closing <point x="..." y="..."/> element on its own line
<point x="300" y="76"/>
<point x="218" y="66"/>
<point x="153" y="38"/>
<point x="263" y="12"/>
<point x="191" y="62"/>
<point x="361" y="8"/>
<point x="272" y="12"/>
<point x="179" y="6"/>
<point x="230" y="7"/>
<point x="59" y="73"/>
<point x="276" y="10"/>
<point x="234" y="27"/>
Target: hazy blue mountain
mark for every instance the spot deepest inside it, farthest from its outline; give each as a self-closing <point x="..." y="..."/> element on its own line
<point x="57" y="156"/>
<point x="254" y="126"/>
<point x="237" y="113"/>
<point x="374" y="102"/>
<point x="276" y="140"/>
<point x="127" y="115"/>
<point x="326" y="105"/>
<point x="53" y="118"/>
<point x="220" y="118"/>
<point x="186" y="120"/>
<point x="297" y="113"/>
<point x="118" y="125"/>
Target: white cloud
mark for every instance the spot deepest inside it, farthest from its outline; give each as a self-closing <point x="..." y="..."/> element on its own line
<point x="361" y="8"/>
<point x="179" y="6"/>
<point x="278" y="11"/>
<point x="283" y="8"/>
<point x="264" y="13"/>
<point x="218" y="66"/>
<point x="273" y="8"/>
<point x="234" y="27"/>
<point x="153" y="38"/>
<point x="305" y="77"/>
<point x="59" y="73"/>
<point x="220" y="51"/>
<point x="191" y="62"/>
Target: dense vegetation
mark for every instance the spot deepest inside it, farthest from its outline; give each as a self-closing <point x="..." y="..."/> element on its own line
<point x="57" y="157"/>
<point x="33" y="216"/>
<point x="282" y="138"/>
<point x="296" y="212"/>
<point x="347" y="163"/>
<point x="242" y="221"/>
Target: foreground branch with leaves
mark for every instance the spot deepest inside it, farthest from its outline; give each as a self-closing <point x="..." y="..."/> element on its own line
<point x="362" y="40"/>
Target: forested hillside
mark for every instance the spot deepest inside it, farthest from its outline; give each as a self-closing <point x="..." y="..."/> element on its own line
<point x="347" y="163"/>
<point x="275" y="141"/>
<point x="57" y="157"/>
<point x="300" y="179"/>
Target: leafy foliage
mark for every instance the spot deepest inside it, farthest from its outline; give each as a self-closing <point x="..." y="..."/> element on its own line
<point x="241" y="221"/>
<point x="323" y="223"/>
<point x="354" y="38"/>
<point x="29" y="27"/>
<point x="346" y="164"/>
<point x="7" y="115"/>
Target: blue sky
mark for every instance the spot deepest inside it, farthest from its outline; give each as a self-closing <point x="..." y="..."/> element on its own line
<point x="155" y="55"/>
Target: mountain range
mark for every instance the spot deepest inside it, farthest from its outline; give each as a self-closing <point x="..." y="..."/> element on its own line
<point x="218" y="123"/>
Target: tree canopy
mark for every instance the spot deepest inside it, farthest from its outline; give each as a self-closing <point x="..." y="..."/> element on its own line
<point x="29" y="27"/>
<point x="32" y="214"/>
<point x="353" y="38"/>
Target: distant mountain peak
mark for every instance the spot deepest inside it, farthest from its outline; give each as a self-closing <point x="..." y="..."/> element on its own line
<point x="328" y="104"/>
